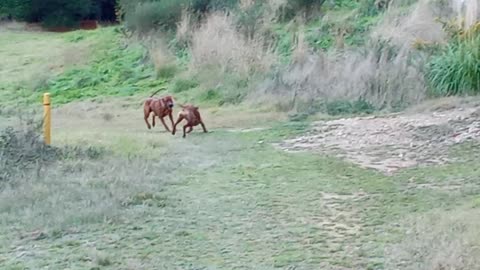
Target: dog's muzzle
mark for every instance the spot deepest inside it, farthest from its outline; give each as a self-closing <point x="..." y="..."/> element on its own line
<point x="170" y="105"/>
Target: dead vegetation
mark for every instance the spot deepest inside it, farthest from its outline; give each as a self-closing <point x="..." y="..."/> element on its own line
<point x="375" y="76"/>
<point x="217" y="44"/>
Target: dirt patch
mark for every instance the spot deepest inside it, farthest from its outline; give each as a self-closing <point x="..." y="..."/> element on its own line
<point x="392" y="142"/>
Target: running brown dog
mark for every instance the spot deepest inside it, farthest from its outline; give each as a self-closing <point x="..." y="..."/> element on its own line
<point x="192" y="115"/>
<point x="160" y="107"/>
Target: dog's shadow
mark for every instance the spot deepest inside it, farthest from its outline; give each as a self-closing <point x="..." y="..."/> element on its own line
<point x="178" y="133"/>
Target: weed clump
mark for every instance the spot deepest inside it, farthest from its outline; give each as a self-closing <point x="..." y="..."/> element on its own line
<point x="23" y="150"/>
<point x="456" y="71"/>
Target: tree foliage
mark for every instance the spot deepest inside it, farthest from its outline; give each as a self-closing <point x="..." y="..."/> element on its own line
<point x="50" y="12"/>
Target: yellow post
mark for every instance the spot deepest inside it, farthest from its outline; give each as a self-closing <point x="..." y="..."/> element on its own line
<point x="47" y="118"/>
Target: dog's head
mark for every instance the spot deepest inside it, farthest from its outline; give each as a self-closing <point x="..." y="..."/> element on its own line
<point x="168" y="100"/>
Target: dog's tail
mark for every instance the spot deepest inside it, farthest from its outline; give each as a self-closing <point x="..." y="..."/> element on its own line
<point x="154" y="93"/>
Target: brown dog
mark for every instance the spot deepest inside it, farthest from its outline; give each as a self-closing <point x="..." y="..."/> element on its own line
<point x="192" y="115"/>
<point x="160" y="107"/>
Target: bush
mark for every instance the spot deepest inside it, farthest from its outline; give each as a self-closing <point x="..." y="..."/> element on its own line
<point x="183" y="85"/>
<point x="347" y="107"/>
<point x="203" y="6"/>
<point x="166" y="72"/>
<point x="217" y="45"/>
<point x="50" y="12"/>
<point x="249" y="19"/>
<point x="457" y="70"/>
<point x="155" y="15"/>
<point x="375" y="75"/>
<point x="22" y="150"/>
<point x="306" y="6"/>
<point x="373" y="7"/>
<point x="143" y="16"/>
<point x="17" y="9"/>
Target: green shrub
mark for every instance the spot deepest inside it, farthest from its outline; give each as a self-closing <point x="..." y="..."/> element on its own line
<point x="368" y="8"/>
<point x="203" y="6"/>
<point x="166" y="72"/>
<point x="50" y="12"/>
<point x="306" y="6"/>
<point x="18" y="9"/>
<point x="211" y="95"/>
<point x="143" y="16"/>
<point x="340" y="107"/>
<point x="155" y="15"/>
<point x="456" y="70"/>
<point x="22" y="149"/>
<point x="182" y="85"/>
<point x="248" y="19"/>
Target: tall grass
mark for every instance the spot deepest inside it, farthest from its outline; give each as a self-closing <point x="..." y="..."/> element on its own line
<point x="456" y="71"/>
<point x="383" y="76"/>
<point x="218" y="44"/>
<point x="405" y="26"/>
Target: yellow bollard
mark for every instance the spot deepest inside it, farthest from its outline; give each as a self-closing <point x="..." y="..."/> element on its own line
<point x="47" y="118"/>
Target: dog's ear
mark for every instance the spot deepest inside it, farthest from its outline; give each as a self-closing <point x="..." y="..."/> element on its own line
<point x="196" y="108"/>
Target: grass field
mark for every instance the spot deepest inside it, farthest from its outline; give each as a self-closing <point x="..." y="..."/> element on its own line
<point x="224" y="200"/>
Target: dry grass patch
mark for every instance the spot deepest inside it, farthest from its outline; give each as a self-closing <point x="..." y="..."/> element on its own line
<point x="404" y="28"/>
<point x="439" y="240"/>
<point x="217" y="44"/>
<point x="379" y="76"/>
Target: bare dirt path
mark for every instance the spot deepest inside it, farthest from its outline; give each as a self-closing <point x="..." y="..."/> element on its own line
<point x="392" y="142"/>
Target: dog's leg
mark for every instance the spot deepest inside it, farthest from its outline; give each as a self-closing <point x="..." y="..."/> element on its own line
<point x="165" y="125"/>
<point x="174" y="129"/>
<point x="171" y="118"/>
<point x="203" y="126"/>
<point x="184" y="130"/>
<point x="146" y="114"/>
<point x="153" y="120"/>
<point x="197" y="113"/>
<point x="189" y="129"/>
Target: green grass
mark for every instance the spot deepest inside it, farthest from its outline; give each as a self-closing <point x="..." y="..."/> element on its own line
<point x="456" y="70"/>
<point x="137" y="199"/>
<point x="220" y="200"/>
<point x="114" y="70"/>
<point x="85" y="65"/>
